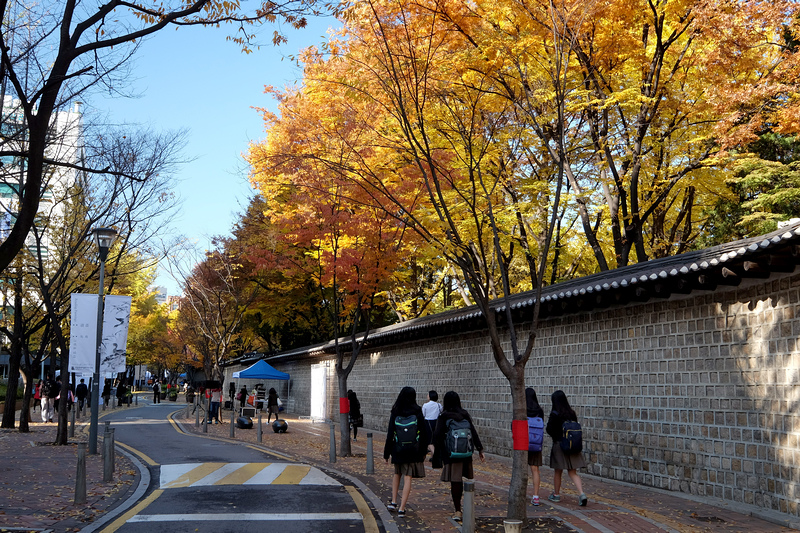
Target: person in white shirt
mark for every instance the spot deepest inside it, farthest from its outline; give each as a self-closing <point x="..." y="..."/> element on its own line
<point x="431" y="410"/>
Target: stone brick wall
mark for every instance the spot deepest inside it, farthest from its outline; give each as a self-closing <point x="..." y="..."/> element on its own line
<point x="698" y="394"/>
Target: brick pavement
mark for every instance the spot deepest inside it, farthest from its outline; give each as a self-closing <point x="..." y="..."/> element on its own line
<point x="37" y="488"/>
<point x="37" y="481"/>
<point x="613" y="506"/>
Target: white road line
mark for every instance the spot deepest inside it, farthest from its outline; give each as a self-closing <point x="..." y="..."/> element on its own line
<point x="240" y="517"/>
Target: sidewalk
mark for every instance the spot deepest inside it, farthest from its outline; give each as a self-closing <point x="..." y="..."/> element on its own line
<point x="613" y="507"/>
<point x="37" y="480"/>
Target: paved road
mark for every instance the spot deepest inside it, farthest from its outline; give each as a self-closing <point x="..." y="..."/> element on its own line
<point x="200" y="484"/>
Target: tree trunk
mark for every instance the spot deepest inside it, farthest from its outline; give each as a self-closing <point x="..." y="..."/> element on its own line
<point x="11" y="391"/>
<point x="518" y="488"/>
<point x="25" y="413"/>
<point x="16" y="357"/>
<point x="344" y="418"/>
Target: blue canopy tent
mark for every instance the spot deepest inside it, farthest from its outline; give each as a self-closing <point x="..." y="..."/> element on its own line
<point x="263" y="370"/>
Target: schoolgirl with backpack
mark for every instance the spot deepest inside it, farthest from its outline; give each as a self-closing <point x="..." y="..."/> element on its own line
<point x="563" y="427"/>
<point x="535" y="440"/>
<point x="405" y="445"/>
<point x="454" y="442"/>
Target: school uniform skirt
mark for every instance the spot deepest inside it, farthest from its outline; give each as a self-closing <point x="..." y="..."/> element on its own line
<point x="415" y="470"/>
<point x="535" y="458"/>
<point x="458" y="470"/>
<point x="561" y="461"/>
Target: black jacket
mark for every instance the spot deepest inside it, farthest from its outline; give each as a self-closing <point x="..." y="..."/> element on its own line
<point x="414" y="456"/>
<point x="554" y="424"/>
<point x="441" y="433"/>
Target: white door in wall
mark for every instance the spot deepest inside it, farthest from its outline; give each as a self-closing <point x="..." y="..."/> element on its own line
<point x="319" y="374"/>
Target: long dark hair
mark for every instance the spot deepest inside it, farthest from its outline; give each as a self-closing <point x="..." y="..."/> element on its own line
<point x="532" y="402"/>
<point x="451" y="402"/>
<point x="406" y="400"/>
<point x="562" y="407"/>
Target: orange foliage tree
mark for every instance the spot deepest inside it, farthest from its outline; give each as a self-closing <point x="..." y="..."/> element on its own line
<point x="329" y="229"/>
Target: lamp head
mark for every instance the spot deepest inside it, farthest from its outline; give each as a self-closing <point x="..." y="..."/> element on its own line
<point x="104" y="237"/>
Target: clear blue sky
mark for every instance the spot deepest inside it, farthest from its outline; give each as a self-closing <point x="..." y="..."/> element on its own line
<point x="192" y="78"/>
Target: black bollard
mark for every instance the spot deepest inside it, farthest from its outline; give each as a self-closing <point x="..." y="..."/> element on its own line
<point x="468" y="518"/>
<point x="80" y="477"/>
<point x="333" y="443"/>
<point x="370" y="460"/>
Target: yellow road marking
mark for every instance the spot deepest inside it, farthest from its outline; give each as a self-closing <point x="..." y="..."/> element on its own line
<point x="194" y="475"/>
<point x="370" y="525"/>
<point x="270" y="452"/>
<point x="137" y="453"/>
<point x="292" y="475"/>
<point x="119" y="522"/>
<point x="240" y="475"/>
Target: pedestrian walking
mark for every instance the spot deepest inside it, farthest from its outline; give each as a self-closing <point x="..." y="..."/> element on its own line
<point x="37" y="396"/>
<point x="47" y="398"/>
<point x="242" y="397"/>
<point x="106" y="394"/>
<point x="535" y="433"/>
<point x="121" y="393"/>
<point x="81" y="391"/>
<point x="272" y="404"/>
<point x="55" y="393"/>
<point x="216" y="399"/>
<point x="405" y="445"/>
<point x="156" y="392"/>
<point x="561" y="459"/>
<point x="454" y="441"/>
<point x="431" y="410"/>
<point x="355" y="416"/>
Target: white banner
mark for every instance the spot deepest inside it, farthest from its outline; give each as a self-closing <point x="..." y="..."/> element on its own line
<point x="116" y="317"/>
<point x="83" y="333"/>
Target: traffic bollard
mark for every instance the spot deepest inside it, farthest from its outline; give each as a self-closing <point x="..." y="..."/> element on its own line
<point x="258" y="433"/>
<point x="107" y="457"/>
<point x="80" y="477"/>
<point x="205" y="418"/>
<point x="333" y="443"/>
<point x="468" y="518"/>
<point x="72" y="420"/>
<point x="233" y="422"/>
<point x="197" y="410"/>
<point x="370" y="461"/>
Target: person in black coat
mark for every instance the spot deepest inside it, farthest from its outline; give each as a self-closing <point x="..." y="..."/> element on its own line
<point x="408" y="461"/>
<point x="355" y="413"/>
<point x="272" y="404"/>
<point x="454" y="470"/>
<point x="560" y="461"/>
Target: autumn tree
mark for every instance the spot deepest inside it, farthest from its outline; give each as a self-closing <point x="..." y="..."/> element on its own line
<point x="288" y="312"/>
<point x="56" y="53"/>
<point x="216" y="299"/>
<point x="336" y="235"/>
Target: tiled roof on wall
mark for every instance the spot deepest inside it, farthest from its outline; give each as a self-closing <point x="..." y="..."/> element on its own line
<point x="703" y="270"/>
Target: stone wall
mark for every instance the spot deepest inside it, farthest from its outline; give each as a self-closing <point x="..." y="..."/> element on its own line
<point x="698" y="394"/>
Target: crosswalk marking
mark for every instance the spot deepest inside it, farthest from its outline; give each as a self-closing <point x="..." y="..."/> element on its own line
<point x="206" y="474"/>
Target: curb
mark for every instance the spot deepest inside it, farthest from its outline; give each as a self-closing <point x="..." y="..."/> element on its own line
<point x="130" y="501"/>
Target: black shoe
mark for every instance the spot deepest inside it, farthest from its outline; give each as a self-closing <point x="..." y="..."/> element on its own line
<point x="401" y="512"/>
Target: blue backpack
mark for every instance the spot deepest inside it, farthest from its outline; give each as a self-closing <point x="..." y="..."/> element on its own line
<point x="535" y="433"/>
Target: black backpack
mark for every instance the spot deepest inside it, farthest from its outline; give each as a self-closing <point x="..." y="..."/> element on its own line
<point x="406" y="434"/>
<point x="458" y="439"/>
<point x="47" y="388"/>
<point x="572" y="437"/>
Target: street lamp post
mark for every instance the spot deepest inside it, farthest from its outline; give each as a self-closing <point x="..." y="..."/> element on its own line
<point x="104" y="237"/>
